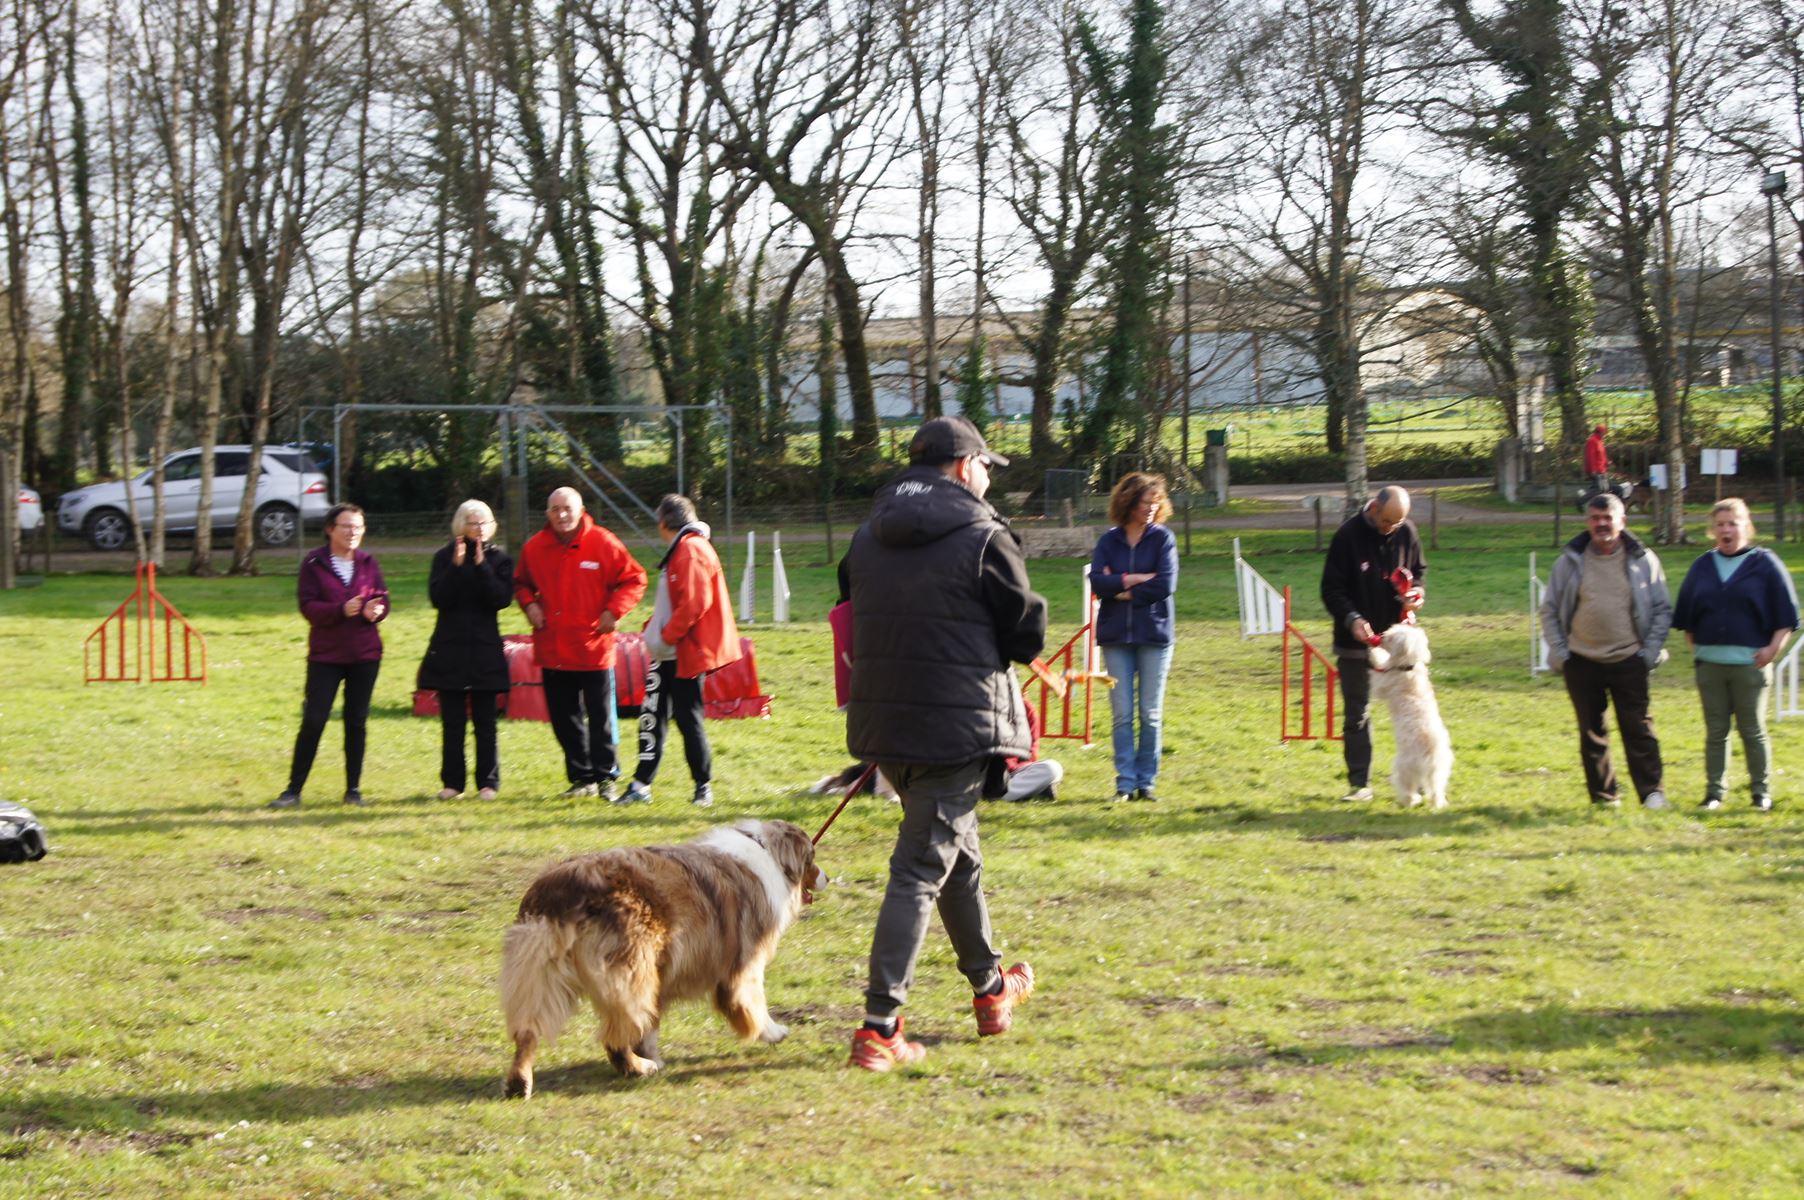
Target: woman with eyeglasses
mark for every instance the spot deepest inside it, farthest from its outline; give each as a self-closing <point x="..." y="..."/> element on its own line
<point x="472" y="581"/>
<point x="344" y="598"/>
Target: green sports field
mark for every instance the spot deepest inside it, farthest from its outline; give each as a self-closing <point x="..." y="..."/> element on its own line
<point x="1247" y="988"/>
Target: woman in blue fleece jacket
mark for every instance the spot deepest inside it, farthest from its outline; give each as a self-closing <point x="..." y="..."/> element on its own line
<point x="1737" y="607"/>
<point x="1134" y="572"/>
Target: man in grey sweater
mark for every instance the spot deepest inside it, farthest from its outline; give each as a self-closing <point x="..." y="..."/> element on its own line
<point x="1606" y="614"/>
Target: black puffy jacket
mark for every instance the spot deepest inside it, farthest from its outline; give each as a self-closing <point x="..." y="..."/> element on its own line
<point x="940" y="607"/>
<point x="465" y="653"/>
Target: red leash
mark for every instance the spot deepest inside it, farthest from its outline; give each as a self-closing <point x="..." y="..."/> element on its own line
<point x="852" y="791"/>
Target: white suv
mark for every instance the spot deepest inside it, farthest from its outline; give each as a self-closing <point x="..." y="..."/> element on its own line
<point x="291" y="490"/>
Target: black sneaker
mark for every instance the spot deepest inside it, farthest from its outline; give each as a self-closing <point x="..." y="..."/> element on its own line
<point x="1602" y="801"/>
<point x="286" y="800"/>
<point x="353" y="796"/>
<point x="1146" y="794"/>
<point x="1763" y="804"/>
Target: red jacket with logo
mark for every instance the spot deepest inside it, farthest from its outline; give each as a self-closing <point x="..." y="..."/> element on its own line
<point x="701" y="624"/>
<point x="575" y="582"/>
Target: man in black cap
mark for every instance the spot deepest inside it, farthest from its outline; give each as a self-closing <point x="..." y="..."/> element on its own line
<point x="940" y="607"/>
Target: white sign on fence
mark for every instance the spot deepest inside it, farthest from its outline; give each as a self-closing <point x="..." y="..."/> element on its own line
<point x="1719" y="462"/>
<point x="1261" y="604"/>
<point x="748" y="581"/>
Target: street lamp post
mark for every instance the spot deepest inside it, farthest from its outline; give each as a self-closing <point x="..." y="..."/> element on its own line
<point x="1772" y="187"/>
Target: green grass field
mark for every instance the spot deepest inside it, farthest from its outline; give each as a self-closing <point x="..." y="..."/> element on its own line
<point x="1248" y="988"/>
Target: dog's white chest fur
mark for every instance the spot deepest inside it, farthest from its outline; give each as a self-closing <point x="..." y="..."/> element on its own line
<point x="1424" y="760"/>
<point x="743" y="848"/>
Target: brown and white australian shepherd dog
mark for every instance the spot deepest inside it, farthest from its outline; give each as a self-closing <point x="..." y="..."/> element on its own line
<point x="635" y="929"/>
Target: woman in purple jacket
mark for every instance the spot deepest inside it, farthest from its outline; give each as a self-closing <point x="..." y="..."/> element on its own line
<point x="343" y="598"/>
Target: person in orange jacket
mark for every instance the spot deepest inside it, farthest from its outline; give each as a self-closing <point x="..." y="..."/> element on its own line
<point x="575" y="580"/>
<point x="1597" y="459"/>
<point x="691" y="632"/>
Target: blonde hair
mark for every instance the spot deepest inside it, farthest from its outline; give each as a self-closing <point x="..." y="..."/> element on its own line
<point x="468" y="513"/>
<point x="1738" y="506"/>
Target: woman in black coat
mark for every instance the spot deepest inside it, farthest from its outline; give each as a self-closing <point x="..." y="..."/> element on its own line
<point x="472" y="581"/>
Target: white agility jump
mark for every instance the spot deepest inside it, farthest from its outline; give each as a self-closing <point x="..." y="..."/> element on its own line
<point x="1537" y="640"/>
<point x="1785" y="685"/>
<point x="1261" y="604"/>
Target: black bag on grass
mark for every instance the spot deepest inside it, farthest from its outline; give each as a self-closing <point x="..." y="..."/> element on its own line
<point x="21" y="837"/>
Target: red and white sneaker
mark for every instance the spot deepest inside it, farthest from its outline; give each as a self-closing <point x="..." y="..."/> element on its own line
<point x="871" y="1051"/>
<point x="996" y="1013"/>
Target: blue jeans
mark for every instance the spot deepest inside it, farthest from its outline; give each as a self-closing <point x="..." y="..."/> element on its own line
<point x="1147" y="665"/>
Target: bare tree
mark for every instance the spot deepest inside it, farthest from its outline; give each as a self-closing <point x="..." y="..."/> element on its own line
<point x="806" y="108"/>
<point x="1030" y="56"/>
<point x="1542" y="131"/>
<point x="677" y="200"/>
<point x="1666" y="67"/>
<point x="26" y="62"/>
<point x="1328" y="85"/>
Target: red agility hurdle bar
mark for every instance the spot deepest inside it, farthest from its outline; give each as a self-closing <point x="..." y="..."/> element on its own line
<point x="151" y="617"/>
<point x="1057" y="672"/>
<point x="1330" y="677"/>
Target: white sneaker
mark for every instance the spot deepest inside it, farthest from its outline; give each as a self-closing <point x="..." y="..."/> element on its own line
<point x="1357" y="796"/>
<point x="449" y="793"/>
<point x="487" y="794"/>
<point x="579" y="791"/>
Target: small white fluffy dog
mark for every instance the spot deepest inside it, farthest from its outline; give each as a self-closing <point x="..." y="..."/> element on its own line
<point x="1424" y="753"/>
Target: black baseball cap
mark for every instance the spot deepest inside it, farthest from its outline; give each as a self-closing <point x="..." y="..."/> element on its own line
<point x="945" y="438"/>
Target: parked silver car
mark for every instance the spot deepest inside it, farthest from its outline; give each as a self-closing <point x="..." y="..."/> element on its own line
<point x="289" y="491"/>
<point x="31" y="511"/>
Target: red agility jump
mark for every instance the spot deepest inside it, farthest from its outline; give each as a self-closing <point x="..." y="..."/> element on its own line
<point x="1059" y="670"/>
<point x="727" y="694"/>
<point x="138" y="643"/>
<point x="1311" y="659"/>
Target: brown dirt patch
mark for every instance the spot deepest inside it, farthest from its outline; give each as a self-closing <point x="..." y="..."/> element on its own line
<point x="238" y="916"/>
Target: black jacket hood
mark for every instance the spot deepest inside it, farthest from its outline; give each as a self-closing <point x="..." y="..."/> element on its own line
<point x="923" y="505"/>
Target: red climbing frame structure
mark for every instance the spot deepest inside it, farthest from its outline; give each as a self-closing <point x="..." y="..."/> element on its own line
<point x="138" y="642"/>
<point x="1311" y="658"/>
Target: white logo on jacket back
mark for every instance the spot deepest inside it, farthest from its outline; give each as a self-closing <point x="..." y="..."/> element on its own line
<point x="913" y="487"/>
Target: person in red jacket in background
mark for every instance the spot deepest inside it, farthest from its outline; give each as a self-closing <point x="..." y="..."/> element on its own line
<point x="575" y="580"/>
<point x="1597" y="459"/>
<point x="691" y="632"/>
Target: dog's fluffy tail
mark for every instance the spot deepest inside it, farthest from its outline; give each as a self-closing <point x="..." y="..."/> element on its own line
<point x="539" y="984"/>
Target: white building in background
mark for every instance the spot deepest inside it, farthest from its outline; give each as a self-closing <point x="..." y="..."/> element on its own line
<point x="1233" y="367"/>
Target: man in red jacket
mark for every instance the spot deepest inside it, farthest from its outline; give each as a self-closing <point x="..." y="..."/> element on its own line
<point x="575" y="580"/>
<point x="691" y="632"/>
<point x="1597" y="459"/>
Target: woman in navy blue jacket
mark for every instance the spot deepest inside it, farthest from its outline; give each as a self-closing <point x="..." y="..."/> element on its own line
<point x="1737" y="607"/>
<point x="1134" y="573"/>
